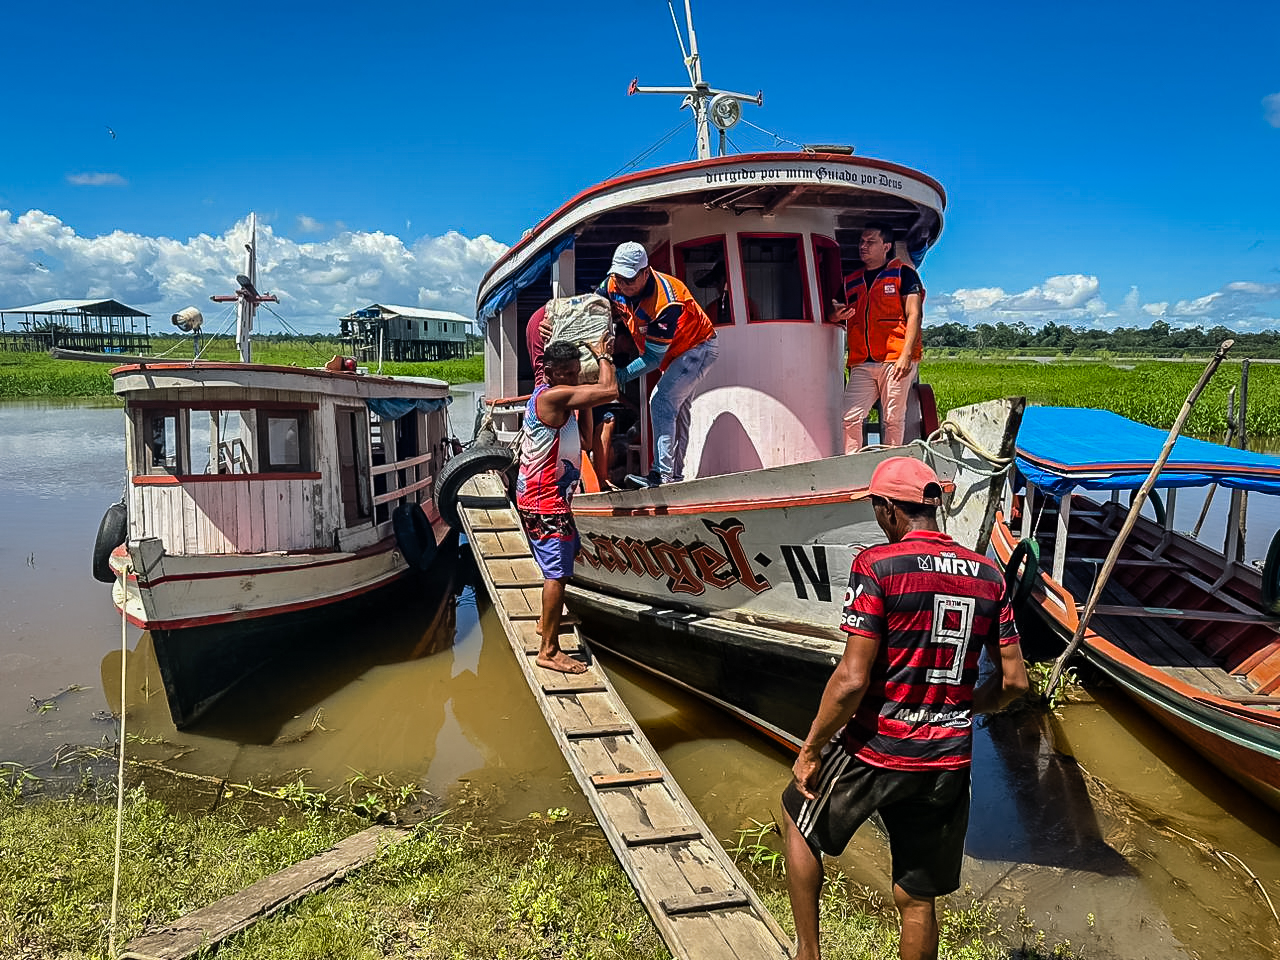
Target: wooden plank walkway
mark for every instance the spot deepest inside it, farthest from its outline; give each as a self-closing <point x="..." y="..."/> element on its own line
<point x="700" y="903"/>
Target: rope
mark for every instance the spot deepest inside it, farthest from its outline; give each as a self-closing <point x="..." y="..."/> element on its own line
<point x="208" y="341"/>
<point x="958" y="432"/>
<point x="124" y="659"/>
<point x="297" y="333"/>
<point x="777" y="139"/>
<point x="661" y="143"/>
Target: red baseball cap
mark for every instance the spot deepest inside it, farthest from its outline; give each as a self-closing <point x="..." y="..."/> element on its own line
<point x="908" y="480"/>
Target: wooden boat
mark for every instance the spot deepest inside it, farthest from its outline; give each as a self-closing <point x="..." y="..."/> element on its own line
<point x="1187" y="628"/>
<point x="258" y="497"/>
<point x="735" y="576"/>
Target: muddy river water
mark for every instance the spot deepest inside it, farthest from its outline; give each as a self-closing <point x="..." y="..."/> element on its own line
<point x="1096" y="824"/>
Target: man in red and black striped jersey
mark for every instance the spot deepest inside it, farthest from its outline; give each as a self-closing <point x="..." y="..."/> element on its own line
<point x="918" y="613"/>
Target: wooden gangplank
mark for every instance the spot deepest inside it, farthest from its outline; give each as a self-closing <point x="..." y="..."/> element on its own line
<point x="700" y="903"/>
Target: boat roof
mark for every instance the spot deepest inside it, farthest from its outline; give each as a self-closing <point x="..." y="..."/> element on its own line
<point x="1060" y="448"/>
<point x="136" y="379"/>
<point x="96" y="308"/>
<point x="765" y="182"/>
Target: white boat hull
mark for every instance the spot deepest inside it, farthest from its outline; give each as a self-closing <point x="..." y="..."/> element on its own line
<point x="166" y="592"/>
<point x="774" y="546"/>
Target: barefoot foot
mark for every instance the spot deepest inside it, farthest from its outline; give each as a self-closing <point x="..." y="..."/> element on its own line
<point x="562" y="662"/>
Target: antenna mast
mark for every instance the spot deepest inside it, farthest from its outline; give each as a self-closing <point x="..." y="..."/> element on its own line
<point x="709" y="105"/>
<point x="247" y="297"/>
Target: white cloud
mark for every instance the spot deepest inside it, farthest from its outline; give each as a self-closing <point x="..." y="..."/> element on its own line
<point x="1071" y="292"/>
<point x="1076" y="300"/>
<point x="1271" y="108"/>
<point x="96" y="179"/>
<point x="309" y="225"/>
<point x="317" y="282"/>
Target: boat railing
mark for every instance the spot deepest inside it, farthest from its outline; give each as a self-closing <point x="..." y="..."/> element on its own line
<point x="234" y="454"/>
<point x="404" y="477"/>
<point x="505" y="416"/>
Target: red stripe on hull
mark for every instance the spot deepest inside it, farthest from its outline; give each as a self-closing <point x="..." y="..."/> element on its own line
<point x="273" y="611"/>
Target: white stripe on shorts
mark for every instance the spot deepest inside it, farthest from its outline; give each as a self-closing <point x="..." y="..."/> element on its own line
<point x="833" y="766"/>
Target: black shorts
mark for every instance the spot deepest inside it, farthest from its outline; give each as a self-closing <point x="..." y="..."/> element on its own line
<point x="926" y="813"/>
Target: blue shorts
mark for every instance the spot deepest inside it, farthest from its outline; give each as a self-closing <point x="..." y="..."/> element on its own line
<point x="554" y="540"/>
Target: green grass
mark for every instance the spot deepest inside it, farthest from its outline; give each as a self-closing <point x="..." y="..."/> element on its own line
<point x="545" y="887"/>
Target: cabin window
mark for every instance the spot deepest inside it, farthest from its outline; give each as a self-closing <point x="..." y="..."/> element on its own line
<point x="826" y="258"/>
<point x="701" y="265"/>
<point x="162" y="453"/>
<point x="236" y="444"/>
<point x="202" y="446"/>
<point x="774" y="277"/>
<point x="284" y="441"/>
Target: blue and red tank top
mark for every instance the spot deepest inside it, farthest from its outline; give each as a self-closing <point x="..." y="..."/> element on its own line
<point x="550" y="462"/>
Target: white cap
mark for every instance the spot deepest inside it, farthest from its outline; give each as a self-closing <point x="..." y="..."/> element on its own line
<point x="629" y="259"/>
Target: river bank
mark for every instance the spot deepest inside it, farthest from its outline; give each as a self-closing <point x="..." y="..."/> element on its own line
<point x="1149" y="391"/>
<point x="542" y="887"/>
<point x="25" y="376"/>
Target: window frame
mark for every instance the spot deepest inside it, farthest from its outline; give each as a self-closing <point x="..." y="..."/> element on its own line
<point x="821" y="240"/>
<point x="806" y="305"/>
<point x="678" y="256"/>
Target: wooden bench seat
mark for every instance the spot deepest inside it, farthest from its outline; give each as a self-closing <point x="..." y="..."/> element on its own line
<point x="1154" y="642"/>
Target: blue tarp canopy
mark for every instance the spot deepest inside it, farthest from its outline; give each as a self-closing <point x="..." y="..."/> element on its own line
<point x="1060" y="448"/>
<point x="532" y="270"/>
<point x="393" y="408"/>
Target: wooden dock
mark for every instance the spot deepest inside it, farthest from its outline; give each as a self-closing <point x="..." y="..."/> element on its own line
<point x="700" y="903"/>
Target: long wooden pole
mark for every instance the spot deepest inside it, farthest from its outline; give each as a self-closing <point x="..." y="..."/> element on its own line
<point x="1228" y="440"/>
<point x="1134" y="509"/>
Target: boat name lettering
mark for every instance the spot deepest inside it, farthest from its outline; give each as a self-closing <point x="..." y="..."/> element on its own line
<point x="688" y="568"/>
<point x="807" y="565"/>
<point x="821" y="175"/>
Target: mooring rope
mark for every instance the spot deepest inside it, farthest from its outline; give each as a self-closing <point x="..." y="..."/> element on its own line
<point x="124" y="653"/>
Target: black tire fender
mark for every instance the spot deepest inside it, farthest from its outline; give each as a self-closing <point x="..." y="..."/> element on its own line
<point x="1156" y="504"/>
<point x="1271" y="577"/>
<point x="111" y="533"/>
<point x="1018" y="585"/>
<point x="458" y="470"/>
<point x="414" y="536"/>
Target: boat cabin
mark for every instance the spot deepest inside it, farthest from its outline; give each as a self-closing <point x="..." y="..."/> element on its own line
<point x="763" y="242"/>
<point x="230" y="459"/>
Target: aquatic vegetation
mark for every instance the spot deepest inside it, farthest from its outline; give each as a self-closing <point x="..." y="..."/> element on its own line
<point x="758" y="846"/>
<point x="1151" y="392"/>
<point x="36" y="375"/>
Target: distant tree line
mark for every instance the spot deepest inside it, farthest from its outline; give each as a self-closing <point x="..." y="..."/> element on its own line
<point x="1159" y="339"/>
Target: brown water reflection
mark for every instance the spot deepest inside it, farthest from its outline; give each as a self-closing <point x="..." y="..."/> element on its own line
<point x="1093" y="812"/>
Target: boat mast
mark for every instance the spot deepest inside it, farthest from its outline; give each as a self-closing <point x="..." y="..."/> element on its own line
<point x="710" y="105"/>
<point x="247" y="298"/>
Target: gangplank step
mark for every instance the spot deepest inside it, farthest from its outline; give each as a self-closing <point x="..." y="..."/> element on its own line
<point x="600" y="730"/>
<point x="657" y="835"/>
<point x="603" y="781"/>
<point x="571" y="689"/>
<point x="696" y="902"/>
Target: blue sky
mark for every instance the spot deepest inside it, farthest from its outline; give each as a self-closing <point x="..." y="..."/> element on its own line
<point x="1105" y="163"/>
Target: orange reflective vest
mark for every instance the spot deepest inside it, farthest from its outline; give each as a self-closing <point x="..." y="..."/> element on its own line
<point x="878" y="328"/>
<point x="693" y="327"/>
